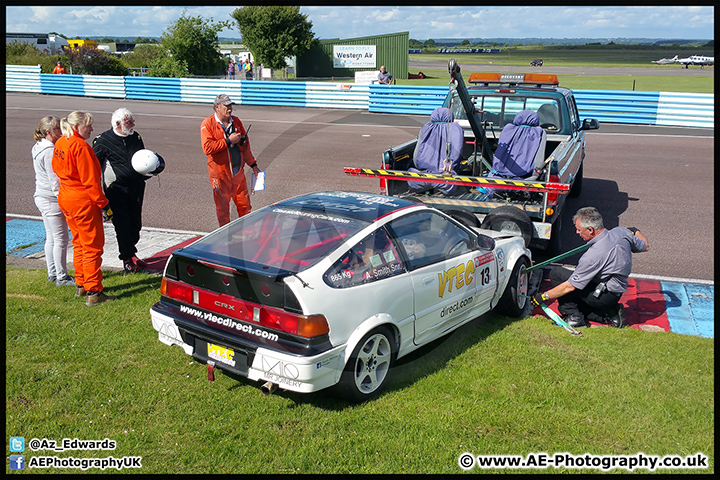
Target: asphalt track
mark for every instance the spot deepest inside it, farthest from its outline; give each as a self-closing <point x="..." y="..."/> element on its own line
<point x="659" y="179"/>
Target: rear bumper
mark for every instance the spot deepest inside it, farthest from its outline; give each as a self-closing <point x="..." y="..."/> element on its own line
<point x="296" y="373"/>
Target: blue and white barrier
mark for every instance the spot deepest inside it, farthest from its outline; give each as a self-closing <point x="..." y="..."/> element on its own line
<point x="647" y="108"/>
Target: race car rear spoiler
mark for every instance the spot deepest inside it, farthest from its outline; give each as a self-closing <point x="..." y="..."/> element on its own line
<point x="499" y="183"/>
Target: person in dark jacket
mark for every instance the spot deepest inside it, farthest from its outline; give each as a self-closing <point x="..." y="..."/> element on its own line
<point x="124" y="187"/>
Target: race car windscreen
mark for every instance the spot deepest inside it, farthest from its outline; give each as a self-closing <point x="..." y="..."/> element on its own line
<point x="278" y="237"/>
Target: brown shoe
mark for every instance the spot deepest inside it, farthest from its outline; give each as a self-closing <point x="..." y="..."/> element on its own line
<point x="98" y="298"/>
<point x="80" y="292"/>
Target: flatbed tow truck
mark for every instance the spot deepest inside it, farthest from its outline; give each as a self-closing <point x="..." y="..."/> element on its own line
<point x="528" y="208"/>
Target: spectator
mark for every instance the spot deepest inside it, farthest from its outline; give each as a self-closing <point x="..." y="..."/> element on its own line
<point x="47" y="186"/>
<point x="59" y="69"/>
<point x="384" y="77"/>
<point x="225" y="142"/>
<point x="231" y="70"/>
<point x="124" y="187"/>
<point x="83" y="202"/>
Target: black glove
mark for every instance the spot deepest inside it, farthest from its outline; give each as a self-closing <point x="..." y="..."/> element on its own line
<point x="107" y="213"/>
<point x="538" y="298"/>
<point x="634" y="230"/>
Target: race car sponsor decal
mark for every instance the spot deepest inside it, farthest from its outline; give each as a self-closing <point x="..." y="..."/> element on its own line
<point x="450" y="309"/>
<point x="229" y="322"/>
<point x="280" y="372"/>
<point x="222" y="354"/>
<point x="463" y="275"/>
<point x="501" y="259"/>
<point x="313" y="215"/>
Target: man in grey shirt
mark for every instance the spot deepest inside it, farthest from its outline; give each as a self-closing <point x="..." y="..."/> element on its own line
<point x="594" y="289"/>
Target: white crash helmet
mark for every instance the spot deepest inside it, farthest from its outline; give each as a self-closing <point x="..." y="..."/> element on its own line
<point x="148" y="163"/>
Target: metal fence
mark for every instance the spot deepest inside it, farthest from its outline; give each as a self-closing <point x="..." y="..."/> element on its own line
<point x="612" y="106"/>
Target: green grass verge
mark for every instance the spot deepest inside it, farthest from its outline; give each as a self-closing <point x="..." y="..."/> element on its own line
<point x="496" y="386"/>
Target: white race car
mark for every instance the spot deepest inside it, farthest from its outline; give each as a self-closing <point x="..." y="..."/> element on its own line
<point x="329" y="289"/>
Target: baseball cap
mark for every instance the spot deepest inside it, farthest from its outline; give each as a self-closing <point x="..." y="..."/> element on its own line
<point x="223" y="99"/>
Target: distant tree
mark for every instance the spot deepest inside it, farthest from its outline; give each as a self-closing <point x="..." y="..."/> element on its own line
<point x="429" y="43"/>
<point x="144" y="54"/>
<point x="168" y="67"/>
<point x="465" y="42"/>
<point x="18" y="48"/>
<point x="273" y="33"/>
<point x="91" y="61"/>
<point x="195" y="41"/>
<point x="415" y="43"/>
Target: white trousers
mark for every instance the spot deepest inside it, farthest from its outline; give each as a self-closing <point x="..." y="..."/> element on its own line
<point x="56" y="236"/>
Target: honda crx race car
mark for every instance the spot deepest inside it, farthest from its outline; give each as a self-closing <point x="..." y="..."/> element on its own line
<point x="329" y="289"/>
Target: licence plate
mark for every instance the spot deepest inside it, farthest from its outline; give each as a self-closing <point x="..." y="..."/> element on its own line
<point x="226" y="358"/>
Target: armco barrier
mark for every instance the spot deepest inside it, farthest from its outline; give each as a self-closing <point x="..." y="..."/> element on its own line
<point x="405" y="99"/>
<point x="22" y="78"/>
<point x="153" y="88"/>
<point x="647" y="108"/>
<point x="686" y="109"/>
<point x="104" y="86"/>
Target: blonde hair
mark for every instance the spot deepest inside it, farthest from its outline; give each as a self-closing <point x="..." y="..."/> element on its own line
<point x="73" y="120"/>
<point x="46" y="124"/>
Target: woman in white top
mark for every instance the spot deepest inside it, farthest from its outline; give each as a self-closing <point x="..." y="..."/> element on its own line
<point x="47" y="186"/>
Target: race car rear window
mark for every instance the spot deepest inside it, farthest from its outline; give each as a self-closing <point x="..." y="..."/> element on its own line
<point x="282" y="238"/>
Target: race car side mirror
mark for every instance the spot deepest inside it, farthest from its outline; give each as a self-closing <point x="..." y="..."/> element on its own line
<point x="484" y="242"/>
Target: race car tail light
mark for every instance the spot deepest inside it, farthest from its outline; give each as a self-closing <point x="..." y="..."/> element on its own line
<point x="302" y="325"/>
<point x="274" y="318"/>
<point x="176" y="290"/>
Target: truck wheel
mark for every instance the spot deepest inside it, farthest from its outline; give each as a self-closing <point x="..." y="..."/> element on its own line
<point x="577" y="184"/>
<point x="366" y="372"/>
<point x="510" y="220"/>
<point x="513" y="300"/>
<point x="466" y="217"/>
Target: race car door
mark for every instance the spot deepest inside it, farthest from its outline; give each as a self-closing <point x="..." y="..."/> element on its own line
<point x="440" y="258"/>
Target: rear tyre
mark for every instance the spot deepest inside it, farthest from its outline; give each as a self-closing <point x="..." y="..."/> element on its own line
<point x="366" y="373"/>
<point x="576" y="188"/>
<point x="510" y="220"/>
<point x="466" y="217"/>
<point x="514" y="298"/>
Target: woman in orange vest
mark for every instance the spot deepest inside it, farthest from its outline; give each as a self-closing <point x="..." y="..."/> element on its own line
<point x="83" y="202"/>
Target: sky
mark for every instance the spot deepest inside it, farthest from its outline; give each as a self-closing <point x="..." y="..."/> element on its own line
<point x="423" y="22"/>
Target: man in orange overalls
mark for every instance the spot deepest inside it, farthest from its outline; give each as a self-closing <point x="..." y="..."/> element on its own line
<point x="225" y="142"/>
<point x="82" y="201"/>
<point x="59" y="69"/>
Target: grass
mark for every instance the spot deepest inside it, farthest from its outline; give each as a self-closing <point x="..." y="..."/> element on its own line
<point x="496" y="386"/>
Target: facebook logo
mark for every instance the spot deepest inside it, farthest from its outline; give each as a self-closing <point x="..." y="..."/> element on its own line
<point x="17" y="462"/>
<point x="17" y="444"/>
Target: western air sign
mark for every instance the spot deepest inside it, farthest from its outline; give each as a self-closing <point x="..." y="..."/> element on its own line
<point x="354" y="56"/>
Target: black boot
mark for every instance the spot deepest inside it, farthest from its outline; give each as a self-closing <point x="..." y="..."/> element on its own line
<point x="576" y="320"/>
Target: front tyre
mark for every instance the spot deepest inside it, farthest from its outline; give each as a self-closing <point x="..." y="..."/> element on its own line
<point x="514" y="298"/>
<point x="366" y="373"/>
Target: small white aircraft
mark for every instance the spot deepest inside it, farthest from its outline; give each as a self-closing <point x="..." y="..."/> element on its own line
<point x="701" y="60"/>
<point x="665" y="61"/>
